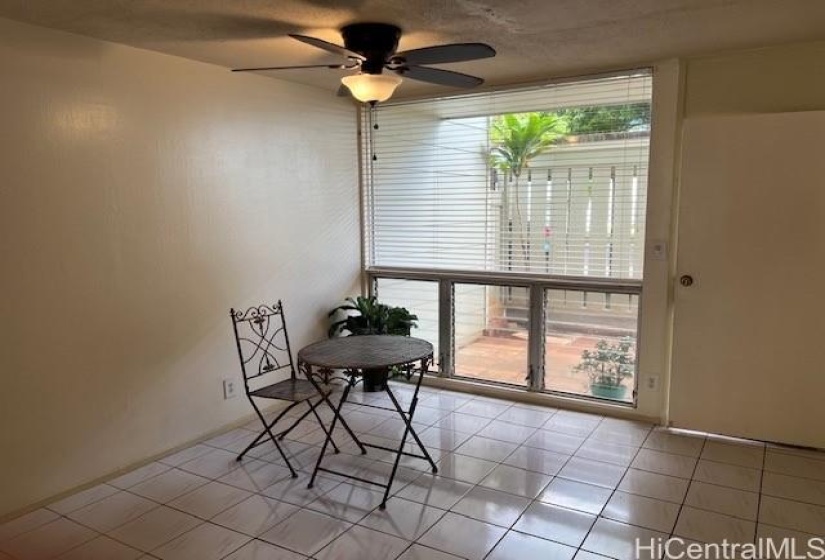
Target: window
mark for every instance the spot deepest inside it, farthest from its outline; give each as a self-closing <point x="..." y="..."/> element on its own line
<point x="545" y="186"/>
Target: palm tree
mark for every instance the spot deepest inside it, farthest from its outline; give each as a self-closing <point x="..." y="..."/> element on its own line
<point x="516" y="139"/>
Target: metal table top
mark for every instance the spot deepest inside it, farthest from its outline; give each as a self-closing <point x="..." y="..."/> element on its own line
<point x="365" y="352"/>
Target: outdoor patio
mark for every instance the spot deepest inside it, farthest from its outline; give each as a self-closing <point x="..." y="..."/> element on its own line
<point x="504" y="359"/>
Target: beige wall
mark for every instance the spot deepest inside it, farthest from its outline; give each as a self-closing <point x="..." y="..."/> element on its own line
<point x="141" y="196"/>
<point x="769" y="80"/>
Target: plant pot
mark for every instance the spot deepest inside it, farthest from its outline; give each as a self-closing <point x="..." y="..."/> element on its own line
<point x="374" y="380"/>
<point x="612" y="392"/>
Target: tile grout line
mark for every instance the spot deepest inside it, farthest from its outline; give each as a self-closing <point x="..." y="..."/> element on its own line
<point x="687" y="490"/>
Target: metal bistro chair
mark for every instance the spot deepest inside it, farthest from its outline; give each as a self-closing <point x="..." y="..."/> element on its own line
<point x="263" y="348"/>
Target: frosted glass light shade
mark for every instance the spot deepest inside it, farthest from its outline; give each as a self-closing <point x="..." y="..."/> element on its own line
<point x="371" y="87"/>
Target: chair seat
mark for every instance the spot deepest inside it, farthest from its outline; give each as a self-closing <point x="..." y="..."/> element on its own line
<point x="294" y="390"/>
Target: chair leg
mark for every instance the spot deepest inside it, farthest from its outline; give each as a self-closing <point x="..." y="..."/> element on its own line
<point x="325" y="397"/>
<point x="268" y="431"/>
<point x="283" y="434"/>
<point x="321" y="422"/>
<point x="257" y="441"/>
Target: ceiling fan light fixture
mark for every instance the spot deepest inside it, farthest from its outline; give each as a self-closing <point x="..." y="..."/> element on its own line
<point x="370" y="88"/>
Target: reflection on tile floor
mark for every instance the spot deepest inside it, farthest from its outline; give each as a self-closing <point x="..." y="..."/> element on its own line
<point x="515" y="482"/>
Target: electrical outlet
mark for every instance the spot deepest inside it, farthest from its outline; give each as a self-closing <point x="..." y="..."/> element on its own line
<point x="653" y="382"/>
<point x="229" y="390"/>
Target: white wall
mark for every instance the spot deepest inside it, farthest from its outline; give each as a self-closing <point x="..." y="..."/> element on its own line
<point x="142" y="195"/>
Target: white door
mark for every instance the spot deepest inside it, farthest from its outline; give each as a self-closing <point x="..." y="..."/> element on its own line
<point x="749" y="334"/>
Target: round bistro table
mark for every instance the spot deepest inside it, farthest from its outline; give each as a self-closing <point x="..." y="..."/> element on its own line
<point x="354" y="355"/>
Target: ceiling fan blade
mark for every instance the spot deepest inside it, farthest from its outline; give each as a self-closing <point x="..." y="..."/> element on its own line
<point x="440" y="77"/>
<point x="332" y="66"/>
<point x="440" y="54"/>
<point x="326" y="45"/>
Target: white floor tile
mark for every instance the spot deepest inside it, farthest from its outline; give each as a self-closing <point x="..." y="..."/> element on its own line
<point x="155" y="528"/>
<point x="733" y="476"/>
<point x="614" y="431"/>
<point x="112" y="512"/>
<point x="418" y="552"/>
<point x="619" y="541"/>
<point x="305" y="532"/>
<point x="259" y="550"/>
<point x="138" y="475"/>
<point x="209" y="500"/>
<point x="666" y="441"/>
<point x="794" y="488"/>
<point x="495" y="458"/>
<point x="804" y="544"/>
<point x="485" y="409"/>
<point x="213" y="464"/>
<point x="254" y="515"/>
<point x="27" y="522"/>
<point x="537" y="460"/>
<point x="347" y="502"/>
<point x="463" y="423"/>
<point x="565" y="444"/>
<point x="364" y="544"/>
<point x="721" y="499"/>
<point x="463" y="537"/>
<point x="532" y="417"/>
<point x="606" y="452"/>
<point x="464" y="468"/>
<point x="653" y="485"/>
<point x="101" y="548"/>
<point x="491" y="506"/>
<point x="664" y="463"/>
<point x="184" y="455"/>
<point x="255" y="476"/>
<point x="742" y="455"/>
<point x="504" y="431"/>
<point x="573" y="423"/>
<point x="794" y="465"/>
<point x="807" y="518"/>
<point x="403" y="518"/>
<point x="438" y="492"/>
<point x="487" y="449"/>
<point x="592" y="472"/>
<point x="440" y="438"/>
<point x="47" y="541"/>
<point x="555" y="523"/>
<point x="80" y="499"/>
<point x="516" y="481"/>
<point x="168" y="486"/>
<point x="204" y="542"/>
<point x="576" y="495"/>
<point x="295" y="491"/>
<point x="643" y="512"/>
<point x="710" y="527"/>
<point x="519" y="545"/>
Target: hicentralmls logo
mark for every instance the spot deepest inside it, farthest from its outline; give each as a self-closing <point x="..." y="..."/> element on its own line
<point x="763" y="549"/>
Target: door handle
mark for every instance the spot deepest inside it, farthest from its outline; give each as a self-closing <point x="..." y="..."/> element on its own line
<point x="686" y="280"/>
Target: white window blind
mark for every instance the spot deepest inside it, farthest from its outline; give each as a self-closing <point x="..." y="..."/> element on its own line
<point x="447" y="188"/>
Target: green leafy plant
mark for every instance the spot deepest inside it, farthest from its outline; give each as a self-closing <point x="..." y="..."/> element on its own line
<point x="516" y="139"/>
<point x="372" y="317"/>
<point x="609" y="364"/>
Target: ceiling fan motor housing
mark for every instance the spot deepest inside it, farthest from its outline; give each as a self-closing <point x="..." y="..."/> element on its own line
<point x="374" y="41"/>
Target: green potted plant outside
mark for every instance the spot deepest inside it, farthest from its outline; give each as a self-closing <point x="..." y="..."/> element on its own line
<point x="365" y="315"/>
<point x="608" y="365"/>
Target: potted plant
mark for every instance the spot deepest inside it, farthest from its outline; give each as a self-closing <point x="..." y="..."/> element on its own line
<point x="365" y="315"/>
<point x="608" y="365"/>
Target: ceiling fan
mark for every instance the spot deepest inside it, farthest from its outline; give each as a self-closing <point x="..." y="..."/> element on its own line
<point x="370" y="48"/>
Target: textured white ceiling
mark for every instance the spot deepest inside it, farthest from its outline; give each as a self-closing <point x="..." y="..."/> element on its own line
<point x="535" y="39"/>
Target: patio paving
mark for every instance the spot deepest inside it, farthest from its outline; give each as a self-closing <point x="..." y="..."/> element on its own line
<point x="504" y="359"/>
